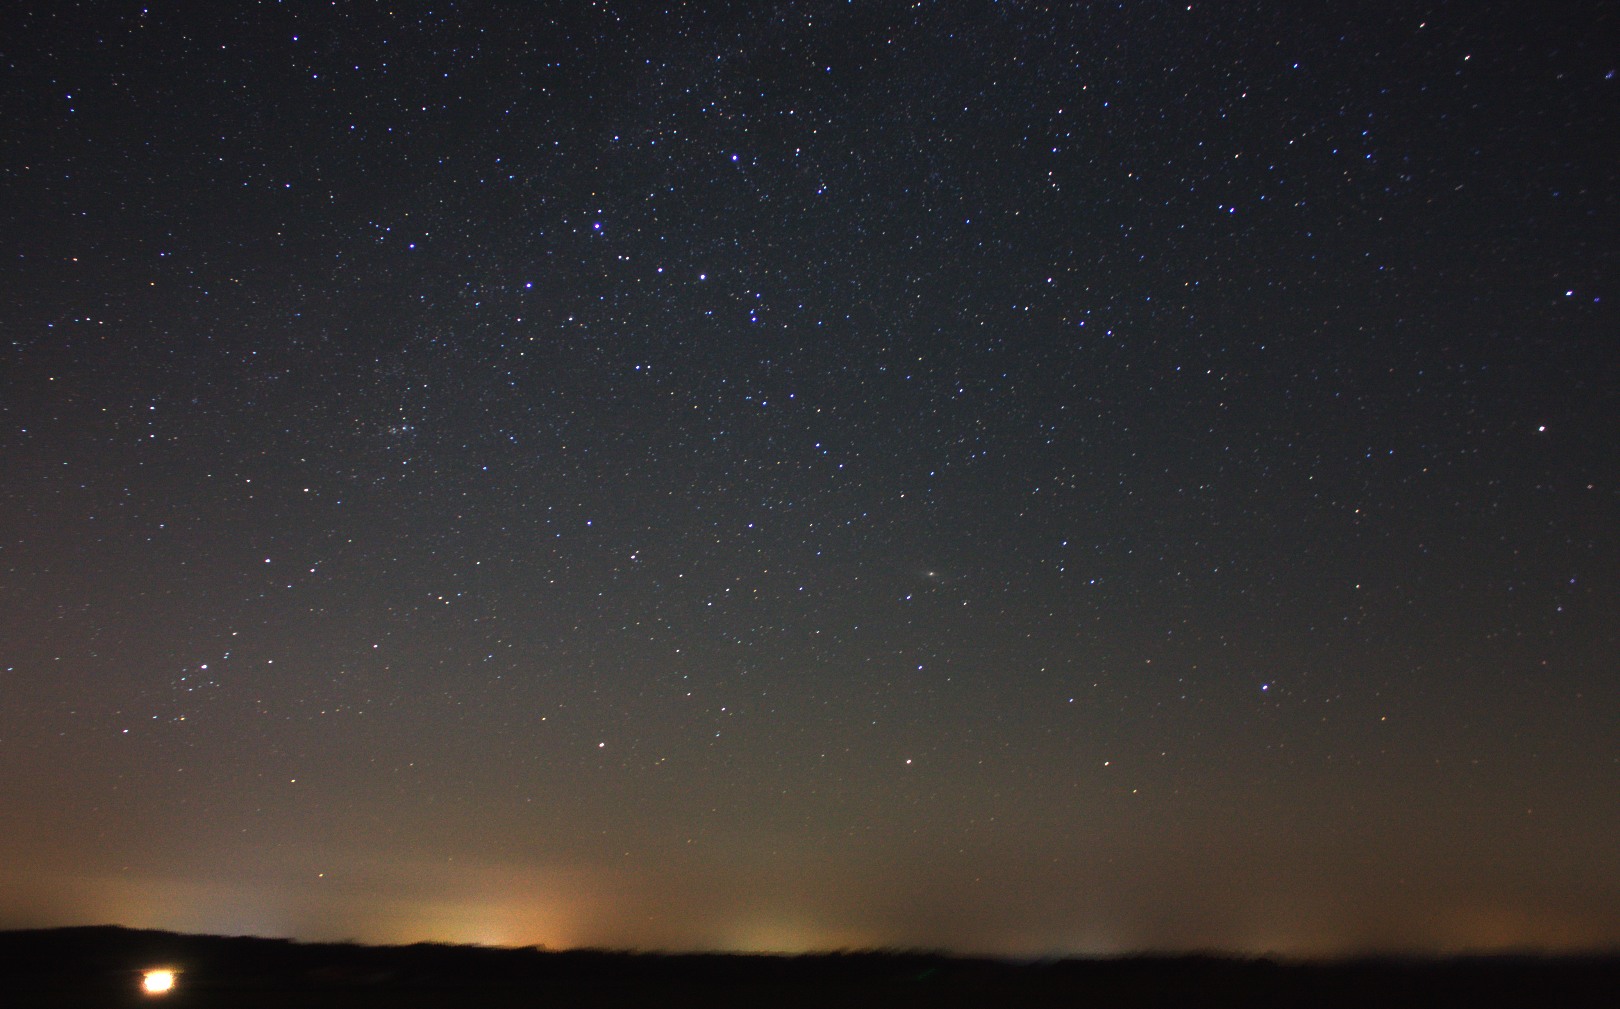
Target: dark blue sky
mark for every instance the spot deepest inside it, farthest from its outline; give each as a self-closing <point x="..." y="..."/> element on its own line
<point x="803" y="475"/>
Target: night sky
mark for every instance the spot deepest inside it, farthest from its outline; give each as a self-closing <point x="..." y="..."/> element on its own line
<point x="1011" y="478"/>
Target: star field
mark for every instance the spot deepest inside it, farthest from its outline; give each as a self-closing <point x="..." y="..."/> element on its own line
<point x="1000" y="477"/>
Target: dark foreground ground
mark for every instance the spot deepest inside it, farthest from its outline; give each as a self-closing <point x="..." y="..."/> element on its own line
<point x="102" y="967"/>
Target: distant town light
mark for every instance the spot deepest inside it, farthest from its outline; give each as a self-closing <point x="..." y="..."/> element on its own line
<point x="158" y="981"/>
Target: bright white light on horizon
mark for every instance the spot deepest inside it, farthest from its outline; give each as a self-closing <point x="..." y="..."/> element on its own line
<point x="159" y="981"/>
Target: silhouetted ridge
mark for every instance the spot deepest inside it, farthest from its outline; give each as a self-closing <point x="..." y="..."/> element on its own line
<point x="102" y="965"/>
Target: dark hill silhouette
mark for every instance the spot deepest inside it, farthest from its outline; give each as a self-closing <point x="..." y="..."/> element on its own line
<point x="102" y="966"/>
